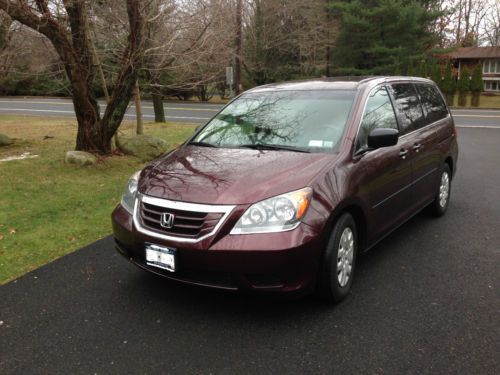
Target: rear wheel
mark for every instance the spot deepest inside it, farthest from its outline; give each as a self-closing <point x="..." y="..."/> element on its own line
<point x="337" y="268"/>
<point x="440" y="204"/>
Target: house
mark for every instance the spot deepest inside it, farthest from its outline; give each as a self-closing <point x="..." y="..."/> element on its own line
<point x="488" y="57"/>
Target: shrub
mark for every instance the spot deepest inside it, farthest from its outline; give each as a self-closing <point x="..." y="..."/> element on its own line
<point x="476" y="85"/>
<point x="463" y="86"/>
<point x="449" y="84"/>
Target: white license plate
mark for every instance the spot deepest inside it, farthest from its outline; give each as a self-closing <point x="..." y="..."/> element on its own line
<point x="161" y="257"/>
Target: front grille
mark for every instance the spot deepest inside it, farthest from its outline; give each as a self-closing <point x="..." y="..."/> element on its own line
<point x="186" y="224"/>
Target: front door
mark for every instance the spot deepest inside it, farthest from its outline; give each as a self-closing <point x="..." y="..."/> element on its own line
<point x="384" y="175"/>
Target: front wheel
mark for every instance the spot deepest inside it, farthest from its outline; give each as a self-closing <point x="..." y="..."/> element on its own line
<point x="442" y="199"/>
<point x="339" y="260"/>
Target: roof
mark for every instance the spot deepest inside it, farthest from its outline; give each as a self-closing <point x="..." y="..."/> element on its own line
<point x="476" y="53"/>
<point x="334" y="83"/>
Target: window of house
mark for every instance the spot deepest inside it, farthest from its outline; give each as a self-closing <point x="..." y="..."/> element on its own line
<point x="491" y="66"/>
<point x="491" y="85"/>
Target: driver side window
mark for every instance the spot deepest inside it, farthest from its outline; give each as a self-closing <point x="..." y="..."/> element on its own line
<point x="378" y="114"/>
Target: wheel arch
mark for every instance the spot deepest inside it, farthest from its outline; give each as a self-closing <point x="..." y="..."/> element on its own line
<point x="360" y="218"/>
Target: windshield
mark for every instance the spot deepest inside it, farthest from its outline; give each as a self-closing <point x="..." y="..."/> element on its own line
<point x="302" y="120"/>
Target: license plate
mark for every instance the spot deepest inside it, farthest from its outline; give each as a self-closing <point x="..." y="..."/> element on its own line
<point x="161" y="257"/>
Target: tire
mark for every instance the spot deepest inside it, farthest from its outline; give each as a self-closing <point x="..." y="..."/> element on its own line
<point x="334" y="284"/>
<point x="440" y="204"/>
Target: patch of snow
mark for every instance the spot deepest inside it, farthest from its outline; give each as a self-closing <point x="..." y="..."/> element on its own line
<point x="25" y="155"/>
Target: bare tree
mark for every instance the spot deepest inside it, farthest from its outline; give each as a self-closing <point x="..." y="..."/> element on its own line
<point x="65" y="25"/>
<point x="492" y="26"/>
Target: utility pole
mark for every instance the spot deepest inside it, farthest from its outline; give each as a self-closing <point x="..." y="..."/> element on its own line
<point x="238" y="44"/>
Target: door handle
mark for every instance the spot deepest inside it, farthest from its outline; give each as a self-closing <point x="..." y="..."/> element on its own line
<point x="402" y="153"/>
<point x="417" y="147"/>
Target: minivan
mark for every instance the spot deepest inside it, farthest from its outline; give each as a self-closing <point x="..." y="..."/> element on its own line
<point x="283" y="188"/>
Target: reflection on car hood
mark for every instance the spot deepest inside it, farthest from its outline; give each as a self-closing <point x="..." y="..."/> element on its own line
<point x="229" y="175"/>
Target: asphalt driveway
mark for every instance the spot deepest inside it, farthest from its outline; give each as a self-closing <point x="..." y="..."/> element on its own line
<point x="426" y="300"/>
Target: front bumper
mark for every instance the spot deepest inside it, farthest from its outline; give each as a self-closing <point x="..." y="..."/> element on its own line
<point x="274" y="262"/>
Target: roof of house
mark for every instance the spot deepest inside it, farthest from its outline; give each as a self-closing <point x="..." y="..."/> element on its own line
<point x="476" y="53"/>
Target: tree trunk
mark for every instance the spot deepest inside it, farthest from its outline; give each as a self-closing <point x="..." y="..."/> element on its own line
<point x="138" y="109"/>
<point x="70" y="37"/>
<point x="158" y="108"/>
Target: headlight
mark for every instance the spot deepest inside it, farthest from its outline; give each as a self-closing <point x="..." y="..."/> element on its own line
<point x="128" y="197"/>
<point x="276" y="214"/>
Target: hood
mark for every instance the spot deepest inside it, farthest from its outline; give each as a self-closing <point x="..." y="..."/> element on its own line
<point x="229" y="176"/>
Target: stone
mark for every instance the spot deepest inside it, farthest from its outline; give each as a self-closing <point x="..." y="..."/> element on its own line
<point x="5" y="141"/>
<point x="145" y="147"/>
<point x="81" y="158"/>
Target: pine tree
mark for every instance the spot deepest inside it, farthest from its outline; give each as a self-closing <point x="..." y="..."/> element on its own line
<point x="381" y="36"/>
<point x="463" y="86"/>
<point x="476" y="85"/>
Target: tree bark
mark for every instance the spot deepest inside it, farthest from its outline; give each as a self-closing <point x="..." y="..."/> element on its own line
<point x="158" y="108"/>
<point x="138" y="109"/>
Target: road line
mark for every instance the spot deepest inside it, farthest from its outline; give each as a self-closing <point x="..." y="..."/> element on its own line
<point x="25" y="102"/>
<point x="145" y="107"/>
<point x="35" y="110"/>
<point x="475" y="110"/>
<point x="73" y="113"/>
<point x="187" y="109"/>
<point x="477" y="126"/>
<point x="477" y="116"/>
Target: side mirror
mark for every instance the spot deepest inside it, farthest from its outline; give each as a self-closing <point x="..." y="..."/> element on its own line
<point x="382" y="137"/>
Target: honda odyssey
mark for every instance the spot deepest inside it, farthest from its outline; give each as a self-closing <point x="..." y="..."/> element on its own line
<point x="289" y="183"/>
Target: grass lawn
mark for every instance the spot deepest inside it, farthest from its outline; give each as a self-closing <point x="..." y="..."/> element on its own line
<point x="486" y="101"/>
<point x="48" y="208"/>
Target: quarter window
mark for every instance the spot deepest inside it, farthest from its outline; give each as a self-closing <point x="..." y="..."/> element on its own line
<point x="378" y="114"/>
<point x="432" y="102"/>
<point x="408" y="107"/>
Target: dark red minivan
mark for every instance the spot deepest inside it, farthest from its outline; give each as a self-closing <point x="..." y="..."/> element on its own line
<point x="289" y="182"/>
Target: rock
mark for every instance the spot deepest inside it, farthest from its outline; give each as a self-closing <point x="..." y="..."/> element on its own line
<point x="5" y="141"/>
<point x="145" y="147"/>
<point x="80" y="158"/>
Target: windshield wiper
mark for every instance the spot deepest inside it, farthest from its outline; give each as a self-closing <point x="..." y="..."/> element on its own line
<point x="267" y="146"/>
<point x="201" y="144"/>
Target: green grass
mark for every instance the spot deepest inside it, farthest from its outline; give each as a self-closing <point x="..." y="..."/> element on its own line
<point x="49" y="209"/>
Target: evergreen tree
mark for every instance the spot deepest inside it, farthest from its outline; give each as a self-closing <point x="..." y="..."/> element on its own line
<point x="436" y="74"/>
<point x="449" y="84"/>
<point x="381" y="36"/>
<point x="476" y="85"/>
<point x="463" y="86"/>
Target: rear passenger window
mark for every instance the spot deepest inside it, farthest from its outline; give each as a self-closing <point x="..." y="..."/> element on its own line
<point x="378" y="114"/>
<point x="408" y="107"/>
<point x="432" y="102"/>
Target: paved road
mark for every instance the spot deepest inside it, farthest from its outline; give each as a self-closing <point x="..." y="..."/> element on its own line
<point x="425" y="300"/>
<point x="197" y="113"/>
